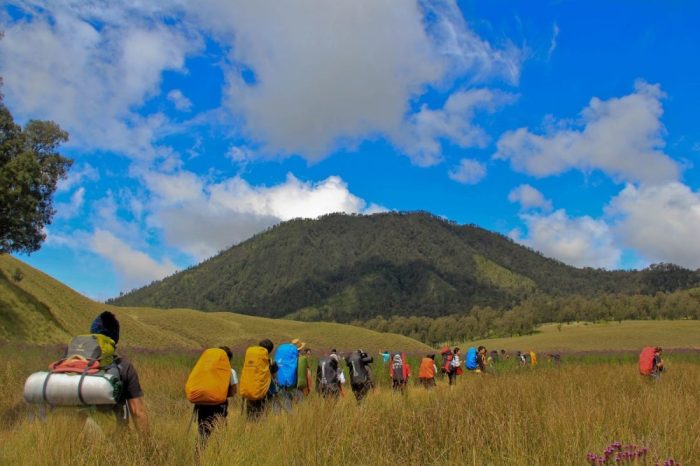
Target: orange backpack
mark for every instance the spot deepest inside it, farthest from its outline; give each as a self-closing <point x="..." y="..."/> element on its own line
<point x="646" y="360"/>
<point x="427" y="369"/>
<point x="255" y="376"/>
<point x="210" y="378"/>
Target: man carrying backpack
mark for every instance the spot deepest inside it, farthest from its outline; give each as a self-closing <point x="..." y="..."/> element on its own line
<point x="327" y="381"/>
<point x="131" y="403"/>
<point x="256" y="386"/>
<point x="400" y="372"/>
<point x="427" y="371"/>
<point x="360" y="380"/>
<point x="210" y="384"/>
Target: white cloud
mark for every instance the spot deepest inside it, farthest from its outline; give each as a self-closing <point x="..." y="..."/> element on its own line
<point x="661" y="222"/>
<point x="422" y="135"/>
<point x="553" y="43"/>
<point x="179" y="100"/>
<point x="134" y="267"/>
<point x="70" y="209"/>
<point x="202" y="218"/>
<point x="57" y="65"/>
<point x="330" y="74"/>
<point x="620" y="136"/>
<point x="76" y="176"/>
<point x="529" y="198"/>
<point x="578" y="241"/>
<point x="468" y="172"/>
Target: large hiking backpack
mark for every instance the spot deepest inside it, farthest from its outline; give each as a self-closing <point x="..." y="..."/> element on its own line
<point x="446" y="365"/>
<point x="255" y="376"/>
<point x="286" y="358"/>
<point x="398" y="371"/>
<point x="358" y="370"/>
<point x="210" y="378"/>
<point x="646" y="360"/>
<point x="472" y="361"/>
<point x="302" y="368"/>
<point x="88" y="374"/>
<point x="427" y="369"/>
<point x="326" y="372"/>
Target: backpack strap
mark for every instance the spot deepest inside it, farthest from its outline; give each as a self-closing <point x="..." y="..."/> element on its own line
<point x="43" y="389"/>
<point x="82" y="379"/>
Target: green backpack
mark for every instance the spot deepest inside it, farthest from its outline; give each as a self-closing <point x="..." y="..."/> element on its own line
<point x="302" y="366"/>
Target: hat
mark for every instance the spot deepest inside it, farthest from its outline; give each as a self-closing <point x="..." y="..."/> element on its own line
<point x="106" y="324"/>
<point x="299" y="344"/>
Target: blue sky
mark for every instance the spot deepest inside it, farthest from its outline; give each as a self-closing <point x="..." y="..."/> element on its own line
<point x="568" y="125"/>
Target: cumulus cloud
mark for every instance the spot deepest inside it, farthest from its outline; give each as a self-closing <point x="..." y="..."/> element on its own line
<point x="620" y="136"/>
<point x="578" y="241"/>
<point x="421" y="137"/>
<point x="58" y="65"/>
<point x="529" y="198"/>
<point x="310" y="76"/>
<point x="77" y="175"/>
<point x="70" y="209"/>
<point x="661" y="222"/>
<point x="202" y="217"/>
<point x="179" y="100"/>
<point x="134" y="267"/>
<point x="468" y="172"/>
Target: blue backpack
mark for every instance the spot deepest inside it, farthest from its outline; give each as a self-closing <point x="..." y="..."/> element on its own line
<point x="286" y="358"/>
<point x="471" y="361"/>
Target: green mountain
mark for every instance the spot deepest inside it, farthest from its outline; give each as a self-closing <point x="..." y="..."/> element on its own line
<point x="347" y="267"/>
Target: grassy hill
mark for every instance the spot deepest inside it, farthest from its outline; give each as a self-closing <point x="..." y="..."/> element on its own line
<point x="42" y="310"/>
<point x="627" y="335"/>
<point x="344" y="267"/>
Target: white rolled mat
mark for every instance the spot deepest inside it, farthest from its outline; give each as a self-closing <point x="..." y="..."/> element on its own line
<point x="62" y="389"/>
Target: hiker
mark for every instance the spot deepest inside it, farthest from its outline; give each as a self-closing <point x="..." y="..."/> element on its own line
<point x="256" y="385"/>
<point x="400" y="372"/>
<point x="455" y="367"/>
<point x="533" y="358"/>
<point x="385" y="356"/>
<point x="287" y="360"/>
<point x="304" y="371"/>
<point x="505" y="356"/>
<point x="427" y="371"/>
<point x="446" y="361"/>
<point x="493" y="358"/>
<point x="210" y="384"/>
<point x="481" y="359"/>
<point x="520" y="358"/>
<point x="327" y="382"/>
<point x="131" y="403"/>
<point x="360" y="377"/>
<point x="650" y="362"/>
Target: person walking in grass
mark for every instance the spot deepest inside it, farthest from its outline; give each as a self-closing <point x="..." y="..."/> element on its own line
<point x="481" y="361"/>
<point x="427" y="371"/>
<point x="131" y="402"/>
<point x="360" y="377"/>
<point x="327" y="381"/>
<point x="455" y="367"/>
<point x="257" y="381"/>
<point x="400" y="372"/>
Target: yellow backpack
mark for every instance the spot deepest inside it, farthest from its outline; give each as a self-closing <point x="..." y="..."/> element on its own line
<point x="210" y="378"/>
<point x="255" y="376"/>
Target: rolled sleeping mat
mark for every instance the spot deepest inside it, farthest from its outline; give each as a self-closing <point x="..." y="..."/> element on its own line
<point x="72" y="389"/>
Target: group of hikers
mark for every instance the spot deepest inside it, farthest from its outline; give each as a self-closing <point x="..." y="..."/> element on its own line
<point x="278" y="379"/>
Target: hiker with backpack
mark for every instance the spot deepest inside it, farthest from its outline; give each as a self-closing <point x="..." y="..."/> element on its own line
<point x="427" y="371"/>
<point x="93" y="377"/>
<point x="360" y="377"/>
<point x="210" y="384"/>
<point x="327" y="381"/>
<point x="287" y="360"/>
<point x="650" y="362"/>
<point x="455" y="368"/>
<point x="256" y="385"/>
<point x="304" y="371"/>
<point x="400" y="371"/>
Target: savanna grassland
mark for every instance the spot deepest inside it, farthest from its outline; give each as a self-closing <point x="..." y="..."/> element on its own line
<point x="518" y="415"/>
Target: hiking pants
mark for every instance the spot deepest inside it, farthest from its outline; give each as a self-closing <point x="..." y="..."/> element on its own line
<point x="207" y="416"/>
<point x="452" y="376"/>
<point x="428" y="383"/>
<point x="361" y="389"/>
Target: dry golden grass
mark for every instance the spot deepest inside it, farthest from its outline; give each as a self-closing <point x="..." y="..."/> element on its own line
<point x="605" y="336"/>
<point x="542" y="416"/>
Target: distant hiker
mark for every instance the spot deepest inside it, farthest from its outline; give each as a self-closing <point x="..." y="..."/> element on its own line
<point x="504" y="355"/>
<point x="360" y="378"/>
<point x="650" y="362"/>
<point x="455" y="367"/>
<point x="520" y="357"/>
<point x="427" y="371"/>
<point x="481" y="359"/>
<point x="471" y="361"/>
<point x="256" y="386"/>
<point x="533" y="358"/>
<point x="493" y="358"/>
<point x="304" y="371"/>
<point x="400" y="371"/>
<point x="446" y="361"/>
<point x="554" y="358"/>
<point x="526" y="358"/>
<point x="386" y="356"/>
<point x="327" y="382"/>
<point x="210" y="384"/>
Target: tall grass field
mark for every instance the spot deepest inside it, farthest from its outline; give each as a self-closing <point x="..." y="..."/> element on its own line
<point x="544" y="415"/>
